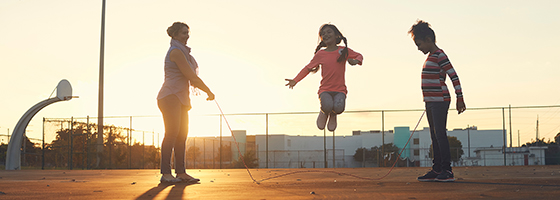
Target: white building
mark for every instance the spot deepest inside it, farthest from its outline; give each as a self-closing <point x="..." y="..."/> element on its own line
<point x="480" y="147"/>
<point x="493" y="156"/>
<point x="285" y="151"/>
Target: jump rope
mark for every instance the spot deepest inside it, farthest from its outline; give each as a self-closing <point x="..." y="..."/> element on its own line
<point x="320" y="171"/>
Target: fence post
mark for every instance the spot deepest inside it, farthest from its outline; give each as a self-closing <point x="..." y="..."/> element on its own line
<point x="194" y="153"/>
<point x="363" y="157"/>
<point x="143" y="149"/>
<point x="382" y="137"/>
<point x="71" y="140"/>
<point x="266" y="140"/>
<point x="333" y="151"/>
<point x="88" y="134"/>
<point x="325" y="147"/>
<point x="213" y="154"/>
<point x="221" y="116"/>
<point x="504" y="131"/>
<point x="43" y="149"/>
<point x="130" y="144"/>
<point x="204" y="153"/>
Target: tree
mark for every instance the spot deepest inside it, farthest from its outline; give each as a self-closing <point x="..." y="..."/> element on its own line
<point x="117" y="151"/>
<point x="250" y="159"/>
<point x="225" y="150"/>
<point x="552" y="153"/>
<point x="3" y="151"/>
<point x="456" y="149"/>
<point x="374" y="154"/>
<point x="193" y="152"/>
<point x="32" y="153"/>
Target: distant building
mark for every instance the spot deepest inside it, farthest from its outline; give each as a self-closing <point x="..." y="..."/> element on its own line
<point x="479" y="147"/>
<point x="493" y="156"/>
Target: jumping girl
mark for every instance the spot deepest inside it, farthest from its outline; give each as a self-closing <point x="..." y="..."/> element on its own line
<point x="332" y="91"/>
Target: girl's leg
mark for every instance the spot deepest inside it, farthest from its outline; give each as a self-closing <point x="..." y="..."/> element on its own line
<point x="436" y="161"/>
<point x="170" y="108"/>
<point x="438" y="131"/>
<point x="327" y="104"/>
<point x="181" y="141"/>
<point x="339" y="103"/>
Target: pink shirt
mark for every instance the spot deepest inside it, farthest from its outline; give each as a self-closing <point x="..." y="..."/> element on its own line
<point x="332" y="71"/>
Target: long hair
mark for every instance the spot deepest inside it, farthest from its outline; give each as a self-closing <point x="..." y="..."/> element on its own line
<point x="339" y="37"/>
<point x="422" y="30"/>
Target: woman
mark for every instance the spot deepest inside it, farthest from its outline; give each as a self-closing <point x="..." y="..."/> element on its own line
<point x="174" y="102"/>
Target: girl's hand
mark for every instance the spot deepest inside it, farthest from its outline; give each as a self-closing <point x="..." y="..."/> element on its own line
<point x="291" y="83"/>
<point x="353" y="61"/>
<point x="461" y="107"/>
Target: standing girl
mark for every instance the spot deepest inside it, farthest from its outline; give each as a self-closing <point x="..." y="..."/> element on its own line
<point x="437" y="99"/>
<point x="174" y="102"/>
<point x="332" y="60"/>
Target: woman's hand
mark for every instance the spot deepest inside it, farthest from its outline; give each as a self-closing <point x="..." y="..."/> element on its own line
<point x="291" y="83"/>
<point x="210" y="96"/>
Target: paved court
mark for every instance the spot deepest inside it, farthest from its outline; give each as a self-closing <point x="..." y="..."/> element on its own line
<point x="519" y="182"/>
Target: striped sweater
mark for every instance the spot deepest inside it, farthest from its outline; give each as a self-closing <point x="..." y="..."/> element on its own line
<point x="434" y="72"/>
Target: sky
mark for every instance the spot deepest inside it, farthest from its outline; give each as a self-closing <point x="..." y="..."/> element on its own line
<point x="505" y="53"/>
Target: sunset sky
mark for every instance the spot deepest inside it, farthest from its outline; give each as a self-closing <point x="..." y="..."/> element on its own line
<point x="505" y="53"/>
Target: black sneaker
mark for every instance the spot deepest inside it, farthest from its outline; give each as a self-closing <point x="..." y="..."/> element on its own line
<point x="445" y="176"/>
<point x="430" y="176"/>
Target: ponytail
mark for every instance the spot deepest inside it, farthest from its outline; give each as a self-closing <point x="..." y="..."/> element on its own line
<point x="319" y="46"/>
<point x="344" y="54"/>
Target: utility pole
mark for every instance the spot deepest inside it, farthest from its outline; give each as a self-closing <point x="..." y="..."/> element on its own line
<point x="537" y="132"/>
<point x="100" y="100"/>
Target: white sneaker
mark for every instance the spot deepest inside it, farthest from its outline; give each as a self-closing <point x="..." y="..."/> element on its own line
<point x="322" y="120"/>
<point x="332" y="122"/>
<point x="169" y="179"/>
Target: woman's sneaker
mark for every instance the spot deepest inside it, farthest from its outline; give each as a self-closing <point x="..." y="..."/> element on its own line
<point x="445" y="176"/>
<point x="185" y="178"/>
<point x="169" y="180"/>
<point x="428" y="177"/>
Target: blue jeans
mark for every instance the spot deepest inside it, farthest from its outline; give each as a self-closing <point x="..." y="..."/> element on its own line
<point x="332" y="102"/>
<point x="176" y="121"/>
<point x="437" y="118"/>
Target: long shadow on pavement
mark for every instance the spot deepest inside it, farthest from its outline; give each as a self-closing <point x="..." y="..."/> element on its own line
<point x="518" y="184"/>
<point x="177" y="191"/>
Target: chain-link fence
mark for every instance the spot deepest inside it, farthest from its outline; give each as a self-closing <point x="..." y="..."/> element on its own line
<point x="303" y="158"/>
<point x="73" y="143"/>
